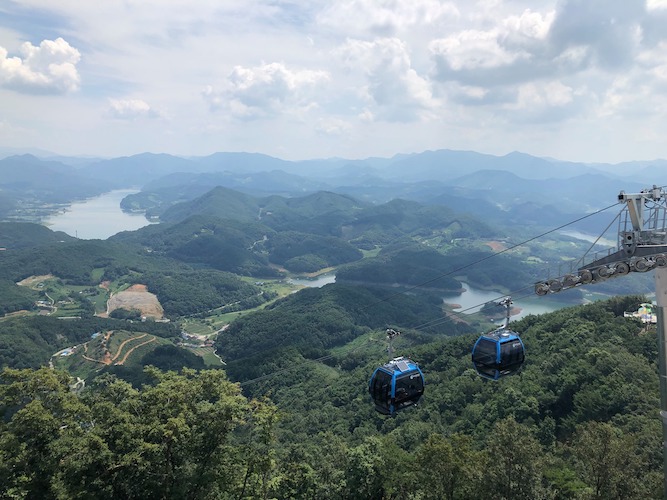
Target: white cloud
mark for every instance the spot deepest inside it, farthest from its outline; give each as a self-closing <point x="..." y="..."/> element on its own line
<point x="524" y="30"/>
<point x="653" y="58"/>
<point x="551" y="65"/>
<point x="130" y="109"/>
<point x="384" y="17"/>
<point x="504" y="52"/>
<point x="473" y="93"/>
<point x="611" y="31"/>
<point x="394" y="89"/>
<point x="265" y="90"/>
<point x="629" y="98"/>
<point x="343" y="78"/>
<point x="552" y="94"/>
<point x="473" y="49"/>
<point x="332" y="127"/>
<point x="656" y="5"/>
<point x="48" y="68"/>
<point x="550" y="102"/>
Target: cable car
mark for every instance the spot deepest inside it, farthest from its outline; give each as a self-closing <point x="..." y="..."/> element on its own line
<point x="500" y="352"/>
<point x="396" y="385"/>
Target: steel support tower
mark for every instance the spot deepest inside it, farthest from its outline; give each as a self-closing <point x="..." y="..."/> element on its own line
<point x="642" y="246"/>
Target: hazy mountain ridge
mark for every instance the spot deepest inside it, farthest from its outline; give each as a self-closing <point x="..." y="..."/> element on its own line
<point x="29" y="177"/>
<point x="496" y="188"/>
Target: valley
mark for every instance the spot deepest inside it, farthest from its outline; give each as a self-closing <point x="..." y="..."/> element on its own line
<point x="333" y="250"/>
<point x="287" y="312"/>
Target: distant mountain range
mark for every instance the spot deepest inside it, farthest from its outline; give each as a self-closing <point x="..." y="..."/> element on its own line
<point x="515" y="189"/>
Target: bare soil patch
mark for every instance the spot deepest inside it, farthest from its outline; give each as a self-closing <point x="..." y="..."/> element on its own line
<point x="496" y="246"/>
<point x="33" y="280"/>
<point x="137" y="297"/>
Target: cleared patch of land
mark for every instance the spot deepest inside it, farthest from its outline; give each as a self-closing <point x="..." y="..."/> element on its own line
<point x="137" y="297"/>
<point x="496" y="246"/>
<point x="31" y="281"/>
<point x="116" y="347"/>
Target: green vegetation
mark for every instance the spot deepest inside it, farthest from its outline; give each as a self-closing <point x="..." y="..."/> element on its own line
<point x="221" y="243"/>
<point x="183" y="436"/>
<point x="30" y="341"/>
<point x="578" y="422"/>
<point x="16" y="235"/>
<point x="587" y="391"/>
<point x="317" y="319"/>
<point x="73" y="262"/>
<point x="235" y="232"/>
<point x="15" y="298"/>
<point x="163" y="356"/>
<point x="193" y="292"/>
<point x="303" y="253"/>
<point x="133" y="314"/>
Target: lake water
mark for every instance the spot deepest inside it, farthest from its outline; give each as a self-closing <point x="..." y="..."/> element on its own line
<point x="101" y="217"/>
<point x="319" y="281"/>
<point x="97" y="218"/>
<point x="472" y="300"/>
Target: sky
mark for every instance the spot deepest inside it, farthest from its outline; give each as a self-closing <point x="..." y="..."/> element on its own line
<point x="578" y="80"/>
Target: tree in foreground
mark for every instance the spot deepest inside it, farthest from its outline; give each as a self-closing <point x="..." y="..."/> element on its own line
<point x="186" y="435"/>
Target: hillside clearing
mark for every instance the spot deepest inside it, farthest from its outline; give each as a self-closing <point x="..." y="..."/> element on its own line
<point x="137" y="297"/>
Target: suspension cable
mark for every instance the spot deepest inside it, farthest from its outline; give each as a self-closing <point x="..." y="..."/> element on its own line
<point x="438" y="321"/>
<point x="414" y="287"/>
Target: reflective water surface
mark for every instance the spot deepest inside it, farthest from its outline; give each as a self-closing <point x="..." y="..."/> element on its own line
<point x="97" y="218"/>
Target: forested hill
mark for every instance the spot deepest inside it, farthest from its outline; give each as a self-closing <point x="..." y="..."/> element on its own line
<point x="14" y="235"/>
<point x="579" y="421"/>
<point x="313" y="321"/>
<point x="227" y="203"/>
<point x="551" y="192"/>
<point x="236" y="232"/>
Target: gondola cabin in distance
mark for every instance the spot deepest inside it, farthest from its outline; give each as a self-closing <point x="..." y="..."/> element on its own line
<point x="498" y="354"/>
<point x="396" y="385"/>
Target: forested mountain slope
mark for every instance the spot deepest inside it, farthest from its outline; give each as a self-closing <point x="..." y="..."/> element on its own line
<point x="182" y="289"/>
<point x="224" y="244"/>
<point x="579" y="421"/>
<point x="15" y="235"/>
<point x="235" y="232"/>
<point x="28" y="177"/>
<point x="315" y="320"/>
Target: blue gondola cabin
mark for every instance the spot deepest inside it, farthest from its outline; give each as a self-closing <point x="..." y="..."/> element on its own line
<point x="498" y="354"/>
<point x="396" y="385"/>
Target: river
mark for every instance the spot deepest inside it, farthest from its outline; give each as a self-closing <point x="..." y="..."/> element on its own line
<point x="97" y="218"/>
